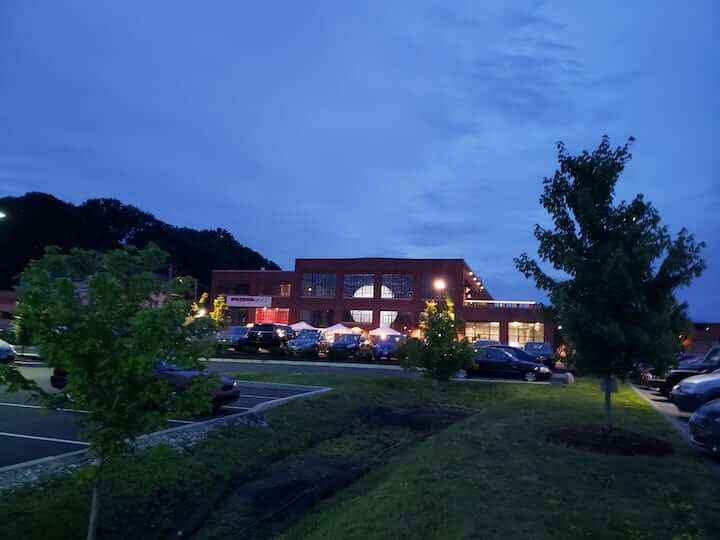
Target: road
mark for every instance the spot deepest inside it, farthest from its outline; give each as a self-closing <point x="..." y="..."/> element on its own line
<point x="28" y="432"/>
<point x="297" y="368"/>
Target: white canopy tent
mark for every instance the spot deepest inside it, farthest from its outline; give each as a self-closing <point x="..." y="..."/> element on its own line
<point x="384" y="331"/>
<point x="302" y="325"/>
<point x="338" y="328"/>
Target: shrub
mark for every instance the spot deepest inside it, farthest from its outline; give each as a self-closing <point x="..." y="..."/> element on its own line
<point x="309" y="353"/>
<point x="337" y="354"/>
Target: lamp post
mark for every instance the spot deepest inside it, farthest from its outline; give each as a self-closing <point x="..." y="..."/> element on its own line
<point x="440" y="286"/>
<point x="3" y="215"/>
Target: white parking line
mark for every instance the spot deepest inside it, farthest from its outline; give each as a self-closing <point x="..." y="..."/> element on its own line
<point x="182" y="421"/>
<point x="236" y="408"/>
<point x="49" y="439"/>
<point x="26" y="406"/>
<point x="260" y="397"/>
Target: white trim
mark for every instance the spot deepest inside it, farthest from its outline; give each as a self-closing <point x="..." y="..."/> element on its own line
<point x="36" y="438"/>
<point x="27" y="406"/>
<point x="258" y="397"/>
<point x="235" y="407"/>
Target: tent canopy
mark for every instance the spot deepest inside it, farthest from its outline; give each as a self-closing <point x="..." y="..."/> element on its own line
<point x="302" y="325"/>
<point x="338" y="328"/>
<point x="384" y="331"/>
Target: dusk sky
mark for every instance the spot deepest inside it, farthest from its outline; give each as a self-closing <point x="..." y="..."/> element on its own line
<point x="350" y="129"/>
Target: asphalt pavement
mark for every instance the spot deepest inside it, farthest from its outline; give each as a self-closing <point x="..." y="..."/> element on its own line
<point x="29" y="432"/>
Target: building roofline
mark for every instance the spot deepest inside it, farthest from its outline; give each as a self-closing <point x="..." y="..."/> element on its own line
<point x="376" y="259"/>
<point x="256" y="270"/>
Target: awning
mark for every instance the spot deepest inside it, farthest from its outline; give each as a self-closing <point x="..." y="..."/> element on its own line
<point x="338" y="328"/>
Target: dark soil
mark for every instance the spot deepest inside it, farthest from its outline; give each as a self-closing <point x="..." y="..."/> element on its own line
<point x="264" y="506"/>
<point x="619" y="441"/>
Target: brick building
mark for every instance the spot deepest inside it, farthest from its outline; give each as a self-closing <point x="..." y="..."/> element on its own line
<point x="372" y="292"/>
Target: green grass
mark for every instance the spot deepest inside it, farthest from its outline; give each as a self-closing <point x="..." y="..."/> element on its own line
<point x="489" y="476"/>
<point x="494" y="476"/>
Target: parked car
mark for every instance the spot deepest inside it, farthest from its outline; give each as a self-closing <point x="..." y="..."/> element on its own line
<point x="705" y="427"/>
<point x="480" y="343"/>
<point x="226" y="392"/>
<point x="387" y="346"/>
<point x="307" y="339"/>
<point x="270" y="335"/>
<point x="692" y="392"/>
<point x="233" y="337"/>
<point x="493" y="361"/>
<point x="710" y="362"/>
<point x="7" y="352"/>
<point x="543" y="352"/>
<point x="352" y="344"/>
<point x="517" y="353"/>
<point x="685" y="358"/>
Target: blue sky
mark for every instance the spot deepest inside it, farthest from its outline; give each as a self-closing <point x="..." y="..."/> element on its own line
<point x="401" y="128"/>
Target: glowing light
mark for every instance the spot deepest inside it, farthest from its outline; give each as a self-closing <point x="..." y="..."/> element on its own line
<point x="3" y="215"/>
<point x="470" y="273"/>
<point x="201" y="312"/>
<point x="559" y="326"/>
<point x="439" y="284"/>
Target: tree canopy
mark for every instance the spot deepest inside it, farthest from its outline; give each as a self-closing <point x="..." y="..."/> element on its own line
<point x="616" y="267"/>
<point x="37" y="220"/>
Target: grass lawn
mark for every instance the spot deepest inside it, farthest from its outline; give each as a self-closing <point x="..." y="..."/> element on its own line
<point x="491" y="475"/>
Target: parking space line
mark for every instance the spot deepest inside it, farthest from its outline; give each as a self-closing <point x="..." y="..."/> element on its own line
<point x="260" y="397"/>
<point x="236" y="408"/>
<point x="37" y="438"/>
<point x="26" y="406"/>
<point x="182" y="421"/>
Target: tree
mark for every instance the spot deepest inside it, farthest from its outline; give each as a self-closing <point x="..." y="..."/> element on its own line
<point x="107" y="319"/>
<point x="617" y="267"/>
<point x="440" y="352"/>
<point x="220" y="310"/>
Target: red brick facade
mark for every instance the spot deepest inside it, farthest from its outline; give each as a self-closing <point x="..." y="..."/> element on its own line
<point x="376" y="291"/>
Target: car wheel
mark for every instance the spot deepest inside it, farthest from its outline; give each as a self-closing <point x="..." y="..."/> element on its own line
<point x="530" y="376"/>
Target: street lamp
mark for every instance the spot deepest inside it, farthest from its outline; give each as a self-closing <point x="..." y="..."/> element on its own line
<point x="439" y="285"/>
<point x="3" y="215"/>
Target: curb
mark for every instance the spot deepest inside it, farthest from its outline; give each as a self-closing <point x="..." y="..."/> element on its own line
<point x="302" y="363"/>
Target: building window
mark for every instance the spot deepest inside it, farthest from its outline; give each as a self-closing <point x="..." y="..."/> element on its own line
<point x="319" y="318"/>
<point x="359" y="285"/>
<point x="405" y="321"/>
<point x="521" y="333"/>
<point x="485" y="331"/>
<point x="238" y="316"/>
<point x="388" y="317"/>
<point x="237" y="288"/>
<point x="277" y="289"/>
<point x="360" y="316"/>
<point x="397" y="286"/>
<point x="318" y="284"/>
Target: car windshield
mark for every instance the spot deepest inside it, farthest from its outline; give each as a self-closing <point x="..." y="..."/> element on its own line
<point x="235" y="331"/>
<point x="264" y="327"/>
<point x="308" y="334"/>
<point x="347" y="338"/>
<point x="519" y="354"/>
<point x="537" y="347"/>
<point x="712" y="356"/>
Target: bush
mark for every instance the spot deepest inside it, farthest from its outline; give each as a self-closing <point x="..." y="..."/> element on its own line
<point x="407" y="350"/>
<point x="337" y="354"/>
<point x="309" y="353"/>
<point x="276" y="351"/>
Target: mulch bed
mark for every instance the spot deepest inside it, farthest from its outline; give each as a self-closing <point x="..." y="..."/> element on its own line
<point x="619" y="441"/>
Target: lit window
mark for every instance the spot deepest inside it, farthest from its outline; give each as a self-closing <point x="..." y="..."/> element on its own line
<point x="485" y="331"/>
<point x="387" y="317"/>
<point x="397" y="286"/>
<point x="318" y="284"/>
<point x="521" y="333"/>
<point x="359" y="285"/>
<point x="361" y="316"/>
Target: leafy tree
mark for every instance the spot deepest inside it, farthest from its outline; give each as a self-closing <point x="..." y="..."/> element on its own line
<point x="220" y="310"/>
<point x="37" y="220"/>
<point x="107" y="319"/>
<point x="617" y="268"/>
<point x="440" y="352"/>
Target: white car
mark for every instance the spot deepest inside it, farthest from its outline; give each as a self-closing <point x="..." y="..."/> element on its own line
<point x="7" y="352"/>
<point x="689" y="394"/>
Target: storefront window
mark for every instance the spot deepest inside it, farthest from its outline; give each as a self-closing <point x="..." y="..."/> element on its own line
<point x="359" y="285"/>
<point x="361" y="316"/>
<point x="397" y="286"/>
<point x="238" y="316"/>
<point x="318" y="284"/>
<point x="272" y="315"/>
<point x="521" y="333"/>
<point x="387" y="317"/>
<point x="485" y="331"/>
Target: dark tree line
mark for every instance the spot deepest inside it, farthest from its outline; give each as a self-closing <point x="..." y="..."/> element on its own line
<point x="36" y="220"/>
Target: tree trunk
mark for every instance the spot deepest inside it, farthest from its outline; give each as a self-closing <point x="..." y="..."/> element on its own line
<point x="92" y="521"/>
<point x="608" y="404"/>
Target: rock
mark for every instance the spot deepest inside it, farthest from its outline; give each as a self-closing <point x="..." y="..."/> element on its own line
<point x="562" y="378"/>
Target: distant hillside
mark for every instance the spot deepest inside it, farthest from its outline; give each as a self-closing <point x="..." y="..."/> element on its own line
<point x="37" y="220"/>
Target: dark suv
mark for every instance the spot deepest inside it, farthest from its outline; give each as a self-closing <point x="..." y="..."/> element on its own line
<point x="270" y="335"/>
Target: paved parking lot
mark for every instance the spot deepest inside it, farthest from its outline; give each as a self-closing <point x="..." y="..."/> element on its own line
<point x="29" y="432"/>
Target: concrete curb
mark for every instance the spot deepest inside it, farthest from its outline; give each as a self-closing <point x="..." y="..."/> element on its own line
<point x="39" y="461"/>
<point x="302" y="363"/>
<point x="505" y="381"/>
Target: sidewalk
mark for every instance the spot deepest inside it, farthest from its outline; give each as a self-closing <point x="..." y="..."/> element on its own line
<point x="388" y="367"/>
